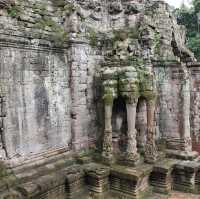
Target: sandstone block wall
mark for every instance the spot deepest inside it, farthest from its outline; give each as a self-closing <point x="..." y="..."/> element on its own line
<point x="50" y="57"/>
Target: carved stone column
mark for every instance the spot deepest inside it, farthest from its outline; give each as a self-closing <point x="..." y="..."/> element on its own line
<point x="110" y="93"/>
<point x="107" y="141"/>
<point x="151" y="153"/>
<point x="131" y="154"/>
<point x="185" y="134"/>
<point x="141" y="124"/>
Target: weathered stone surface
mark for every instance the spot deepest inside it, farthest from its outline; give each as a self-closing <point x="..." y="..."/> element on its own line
<point x="54" y="56"/>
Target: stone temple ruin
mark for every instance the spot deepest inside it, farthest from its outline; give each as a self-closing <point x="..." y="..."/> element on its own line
<point x="98" y="99"/>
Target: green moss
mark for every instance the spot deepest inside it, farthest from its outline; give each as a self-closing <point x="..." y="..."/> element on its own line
<point x="69" y="8"/>
<point x="157" y="43"/>
<point x="133" y="33"/>
<point x="15" y="11"/>
<point x="91" y="35"/>
<point x="108" y="98"/>
<point x="59" y="3"/>
<point x="60" y="35"/>
<point x="122" y="34"/>
<point x="135" y="61"/>
<point x="3" y="170"/>
<point x="147" y="194"/>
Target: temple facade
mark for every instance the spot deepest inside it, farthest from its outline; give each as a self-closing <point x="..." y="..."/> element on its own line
<point x="98" y="99"/>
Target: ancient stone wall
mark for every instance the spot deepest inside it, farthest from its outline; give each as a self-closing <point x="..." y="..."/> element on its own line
<point x="51" y="57"/>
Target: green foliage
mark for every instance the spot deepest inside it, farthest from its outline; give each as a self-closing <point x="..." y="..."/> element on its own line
<point x="194" y="44"/>
<point x="15" y="11"/>
<point x="188" y="17"/>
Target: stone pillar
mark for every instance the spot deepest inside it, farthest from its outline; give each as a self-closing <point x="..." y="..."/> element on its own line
<point x="150" y="148"/>
<point x="131" y="154"/>
<point x="185" y="134"/>
<point x="110" y="93"/>
<point x="107" y="141"/>
<point x="141" y="124"/>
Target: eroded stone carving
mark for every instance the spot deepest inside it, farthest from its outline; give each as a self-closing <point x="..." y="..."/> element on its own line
<point x="115" y="8"/>
<point x="6" y="3"/>
<point x="131" y="80"/>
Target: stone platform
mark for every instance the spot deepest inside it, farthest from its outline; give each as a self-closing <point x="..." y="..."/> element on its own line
<point x="62" y="176"/>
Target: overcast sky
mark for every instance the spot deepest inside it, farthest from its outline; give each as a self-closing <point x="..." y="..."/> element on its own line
<point x="177" y="3"/>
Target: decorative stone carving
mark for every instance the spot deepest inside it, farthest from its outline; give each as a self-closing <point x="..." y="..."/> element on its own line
<point x="94" y="5"/>
<point x="115" y="8"/>
<point x="98" y="179"/>
<point x="131" y="153"/>
<point x="6" y="3"/>
<point x="109" y="95"/>
<point x="185" y="93"/>
<point x="150" y="148"/>
<point x="131" y="9"/>
<point x="133" y="80"/>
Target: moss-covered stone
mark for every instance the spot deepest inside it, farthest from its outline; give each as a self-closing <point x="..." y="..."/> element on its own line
<point x="59" y="34"/>
<point x="15" y="10"/>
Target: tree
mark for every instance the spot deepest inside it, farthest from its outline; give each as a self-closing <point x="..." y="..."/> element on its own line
<point x="190" y="17"/>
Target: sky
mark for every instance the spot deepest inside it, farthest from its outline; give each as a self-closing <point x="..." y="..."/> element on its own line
<point x="177" y="3"/>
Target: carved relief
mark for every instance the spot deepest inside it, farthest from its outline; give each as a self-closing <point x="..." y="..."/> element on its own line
<point x="115" y="8"/>
<point x="132" y="80"/>
<point x="6" y="3"/>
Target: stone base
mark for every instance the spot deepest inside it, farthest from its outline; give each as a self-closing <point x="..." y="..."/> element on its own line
<point x="185" y="176"/>
<point x="128" y="160"/>
<point x="150" y="153"/>
<point x="160" y="177"/>
<point x="45" y="177"/>
<point x="97" y="178"/>
<point x="108" y="160"/>
<point x="181" y="155"/>
<point x="130" y="182"/>
<point x="180" y="144"/>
